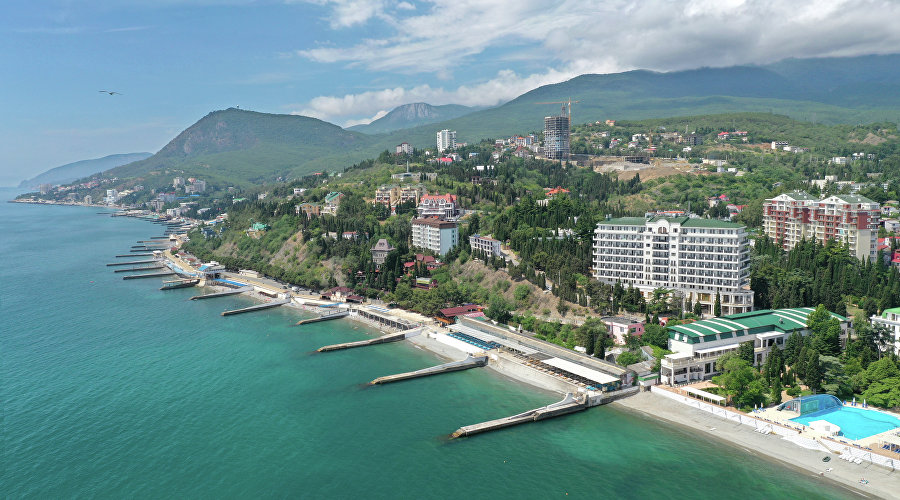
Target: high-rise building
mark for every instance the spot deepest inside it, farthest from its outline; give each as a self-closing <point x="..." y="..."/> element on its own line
<point x="698" y="258"/>
<point x="556" y="137"/>
<point x="847" y="218"/>
<point x="446" y="139"/>
<point x="435" y="235"/>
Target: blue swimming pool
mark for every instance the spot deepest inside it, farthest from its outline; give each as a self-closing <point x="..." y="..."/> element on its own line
<point x="855" y="423"/>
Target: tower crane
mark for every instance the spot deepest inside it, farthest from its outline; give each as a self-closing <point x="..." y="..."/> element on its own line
<point x="567" y="107"/>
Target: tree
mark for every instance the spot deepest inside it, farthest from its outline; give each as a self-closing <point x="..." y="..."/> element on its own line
<point x="628" y="358"/>
<point x="717" y="308"/>
<point x="655" y="335"/>
<point x="745" y="352"/>
<point x="741" y="382"/>
<point x="698" y="309"/>
<point x="521" y="292"/>
<point x="814" y="372"/>
<point x="592" y="335"/>
<point x="792" y="348"/>
<point x="775" y="393"/>
<point x="774" y="365"/>
<point x="498" y="309"/>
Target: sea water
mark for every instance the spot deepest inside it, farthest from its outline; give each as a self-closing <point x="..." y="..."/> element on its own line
<point x="113" y="389"/>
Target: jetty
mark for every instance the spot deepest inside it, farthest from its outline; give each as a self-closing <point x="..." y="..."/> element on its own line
<point x="569" y="404"/>
<point x="142" y="268"/>
<point x="148" y="254"/>
<point x="257" y="307"/>
<point x="182" y="283"/>
<point x="453" y="366"/>
<point x="151" y="261"/>
<point x="324" y="317"/>
<point x="222" y="294"/>
<point x="384" y="339"/>
<point x="151" y="275"/>
<point x="158" y="238"/>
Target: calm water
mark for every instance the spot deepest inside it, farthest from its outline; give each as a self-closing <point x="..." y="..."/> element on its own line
<point x="113" y="389"/>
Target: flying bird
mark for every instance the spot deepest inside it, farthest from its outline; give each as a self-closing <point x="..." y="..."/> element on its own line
<point x="110" y="92"/>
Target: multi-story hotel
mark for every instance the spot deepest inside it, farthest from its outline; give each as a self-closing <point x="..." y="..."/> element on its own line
<point x="485" y="244"/>
<point x="695" y="257"/>
<point x="848" y="218"/>
<point x="435" y="235"/>
<point x="442" y="206"/>
<point x="446" y="139"/>
<point x="697" y="346"/>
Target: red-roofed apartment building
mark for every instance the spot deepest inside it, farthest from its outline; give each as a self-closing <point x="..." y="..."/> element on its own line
<point x="442" y="206"/>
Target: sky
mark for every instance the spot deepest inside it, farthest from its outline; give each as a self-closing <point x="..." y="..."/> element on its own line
<point x="350" y="61"/>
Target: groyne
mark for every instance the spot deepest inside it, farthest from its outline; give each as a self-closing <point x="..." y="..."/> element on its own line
<point x="453" y="366"/>
<point x="569" y="404"/>
<point x="257" y="307"/>
<point x="391" y="337"/>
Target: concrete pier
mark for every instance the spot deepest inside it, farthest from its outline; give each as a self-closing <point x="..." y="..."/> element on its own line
<point x="453" y="366"/>
<point x="324" y="317"/>
<point x="391" y="337"/>
<point x="159" y="237"/>
<point x="151" y="275"/>
<point x="130" y="269"/>
<point x="569" y="404"/>
<point x="222" y="294"/>
<point x="148" y="254"/>
<point x="182" y="283"/>
<point x="151" y="261"/>
<point x="257" y="307"/>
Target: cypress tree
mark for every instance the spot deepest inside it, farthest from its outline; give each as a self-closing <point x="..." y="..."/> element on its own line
<point x="717" y="308"/>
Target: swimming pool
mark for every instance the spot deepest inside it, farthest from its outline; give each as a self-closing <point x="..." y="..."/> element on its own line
<point x="855" y="423"/>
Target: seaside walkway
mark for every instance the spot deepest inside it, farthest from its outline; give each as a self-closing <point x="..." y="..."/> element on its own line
<point x="453" y="366"/>
<point x="569" y="404"/>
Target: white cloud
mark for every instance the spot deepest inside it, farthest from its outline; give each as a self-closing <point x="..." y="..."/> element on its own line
<point x="572" y="37"/>
<point x="504" y="86"/>
<point x="365" y="121"/>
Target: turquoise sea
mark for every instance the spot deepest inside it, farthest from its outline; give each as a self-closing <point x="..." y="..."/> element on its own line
<point x="114" y="389"/>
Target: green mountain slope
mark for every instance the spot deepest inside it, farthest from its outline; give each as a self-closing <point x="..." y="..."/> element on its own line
<point x="412" y="115"/>
<point x="237" y="147"/>
<point x="76" y="170"/>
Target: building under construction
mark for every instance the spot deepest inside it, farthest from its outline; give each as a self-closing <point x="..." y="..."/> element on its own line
<point x="556" y="137"/>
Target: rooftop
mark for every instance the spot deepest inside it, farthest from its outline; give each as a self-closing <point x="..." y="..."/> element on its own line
<point x="683" y="221"/>
<point x="736" y="325"/>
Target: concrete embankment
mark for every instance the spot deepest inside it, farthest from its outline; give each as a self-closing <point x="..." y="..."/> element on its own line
<point x="257" y="307"/>
<point x="151" y="261"/>
<point x="324" y="317"/>
<point x="391" y="337"/>
<point x="151" y="275"/>
<point x="569" y="404"/>
<point x="454" y="366"/>
<point x="130" y="269"/>
<point x="222" y="294"/>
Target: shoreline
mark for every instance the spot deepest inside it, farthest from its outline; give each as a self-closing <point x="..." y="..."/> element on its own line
<point x="883" y="482"/>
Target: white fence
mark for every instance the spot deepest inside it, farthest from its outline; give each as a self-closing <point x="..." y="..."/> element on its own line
<point x="725" y="413"/>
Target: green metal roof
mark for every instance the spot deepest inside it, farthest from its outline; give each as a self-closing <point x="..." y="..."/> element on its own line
<point x="710" y="223"/>
<point x="626" y="221"/>
<point x="737" y="325"/>
<point x="853" y="198"/>
<point x="895" y="310"/>
<point x="801" y="195"/>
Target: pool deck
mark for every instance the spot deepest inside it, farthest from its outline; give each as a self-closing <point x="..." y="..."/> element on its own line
<point x="874" y="441"/>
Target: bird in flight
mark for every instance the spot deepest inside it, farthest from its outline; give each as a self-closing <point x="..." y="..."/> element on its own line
<point x="110" y="92"/>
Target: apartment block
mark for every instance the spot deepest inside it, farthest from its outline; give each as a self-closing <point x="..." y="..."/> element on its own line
<point x="446" y="139"/>
<point x="435" y="235"/>
<point x="697" y="258"/>
<point x="556" y="137"/>
<point x="485" y="244"/>
<point x="442" y="206"/>
<point x="848" y="218"/>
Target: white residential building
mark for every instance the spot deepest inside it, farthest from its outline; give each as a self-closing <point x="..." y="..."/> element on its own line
<point x="435" y="235"/>
<point x="442" y="206"/>
<point x="446" y="139"/>
<point x="696" y="257"/>
<point x="485" y="244"/>
<point x="890" y="319"/>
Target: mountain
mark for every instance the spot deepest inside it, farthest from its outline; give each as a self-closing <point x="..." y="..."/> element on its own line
<point x="236" y="146"/>
<point x="412" y="115"/>
<point x="69" y="172"/>
<point x="241" y="147"/>
<point x="826" y="90"/>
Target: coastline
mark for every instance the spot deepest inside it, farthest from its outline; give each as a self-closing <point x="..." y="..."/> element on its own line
<point x="883" y="483"/>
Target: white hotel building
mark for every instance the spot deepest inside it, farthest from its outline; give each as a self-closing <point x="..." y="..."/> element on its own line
<point x="435" y="235"/>
<point x="696" y="257"/>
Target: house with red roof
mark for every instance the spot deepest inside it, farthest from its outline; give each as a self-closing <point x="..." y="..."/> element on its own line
<point x="448" y="315"/>
<point x="442" y="206"/>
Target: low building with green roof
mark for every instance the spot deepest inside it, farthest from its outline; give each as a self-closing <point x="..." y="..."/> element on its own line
<point x="698" y="345"/>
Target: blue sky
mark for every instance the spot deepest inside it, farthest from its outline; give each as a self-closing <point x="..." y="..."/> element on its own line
<point x="348" y="61"/>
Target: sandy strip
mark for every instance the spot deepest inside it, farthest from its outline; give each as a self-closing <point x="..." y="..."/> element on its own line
<point x="883" y="483"/>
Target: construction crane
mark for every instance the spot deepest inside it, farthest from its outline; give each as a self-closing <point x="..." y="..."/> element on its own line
<point x="567" y="108"/>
